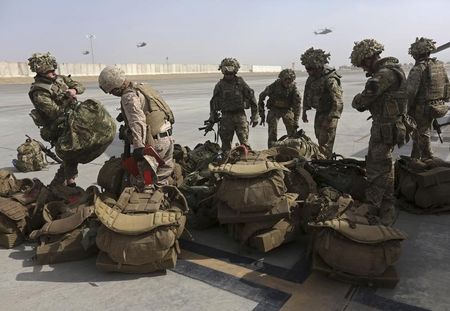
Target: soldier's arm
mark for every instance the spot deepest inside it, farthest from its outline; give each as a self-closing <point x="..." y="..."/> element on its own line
<point x="249" y="95"/>
<point x="44" y="103"/>
<point x="135" y="117"/>
<point x="336" y="98"/>
<point x="262" y="98"/>
<point x="72" y="84"/>
<point x="296" y="104"/>
<point x="412" y="85"/>
<point x="306" y="97"/>
<point x="214" y="104"/>
<point x="375" y="87"/>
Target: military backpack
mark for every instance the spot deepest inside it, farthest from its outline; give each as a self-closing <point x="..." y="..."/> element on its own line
<point x="30" y="157"/>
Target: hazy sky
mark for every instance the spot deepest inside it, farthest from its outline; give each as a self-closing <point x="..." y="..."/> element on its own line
<point x="205" y="31"/>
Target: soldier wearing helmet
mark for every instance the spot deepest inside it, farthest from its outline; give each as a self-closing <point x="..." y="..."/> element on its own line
<point x="231" y="96"/>
<point x="148" y="120"/>
<point x="428" y="89"/>
<point x="323" y="92"/>
<point x="284" y="102"/>
<point x="51" y="94"/>
<point x="384" y="96"/>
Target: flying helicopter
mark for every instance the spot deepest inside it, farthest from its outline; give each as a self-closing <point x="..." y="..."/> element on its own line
<point x="141" y="44"/>
<point x="86" y="52"/>
<point x="323" y="31"/>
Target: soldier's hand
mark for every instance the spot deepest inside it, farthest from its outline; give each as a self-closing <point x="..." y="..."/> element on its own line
<point x="119" y="117"/>
<point x="304" y="118"/>
<point x="263" y="120"/>
<point x="72" y="93"/>
<point x="138" y="154"/>
<point x="254" y="123"/>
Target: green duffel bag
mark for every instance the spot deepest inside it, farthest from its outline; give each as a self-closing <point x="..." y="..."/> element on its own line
<point x="88" y="131"/>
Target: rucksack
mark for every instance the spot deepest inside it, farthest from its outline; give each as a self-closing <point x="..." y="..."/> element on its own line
<point x="306" y="147"/>
<point x="30" y="157"/>
<point x="110" y="176"/>
<point x="88" y="131"/>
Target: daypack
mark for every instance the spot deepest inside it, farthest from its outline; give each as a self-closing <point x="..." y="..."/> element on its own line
<point x="110" y="176"/>
<point x="306" y="147"/>
<point x="30" y="157"/>
<point x="69" y="231"/>
<point x="251" y="186"/>
<point x="140" y="229"/>
<point x="357" y="249"/>
<point x="423" y="185"/>
<point x="345" y="175"/>
<point x="88" y="131"/>
<point x="201" y="156"/>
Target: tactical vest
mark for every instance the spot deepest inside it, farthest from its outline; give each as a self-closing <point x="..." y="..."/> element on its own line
<point x="281" y="97"/>
<point x="157" y="110"/>
<point x="317" y="95"/>
<point x="13" y="222"/>
<point x="30" y="157"/>
<point x="141" y="229"/>
<point x="232" y="95"/>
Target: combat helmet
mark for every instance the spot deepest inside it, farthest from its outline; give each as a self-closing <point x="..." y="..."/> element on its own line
<point x="314" y="58"/>
<point x="421" y="46"/>
<point x="287" y="74"/>
<point x="111" y="78"/>
<point x="42" y="63"/>
<point x="229" y="65"/>
<point x="365" y="49"/>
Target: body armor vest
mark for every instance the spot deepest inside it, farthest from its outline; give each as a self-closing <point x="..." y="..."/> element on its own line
<point x="232" y="96"/>
<point x="436" y="80"/>
<point x="280" y="97"/>
<point x="316" y="94"/>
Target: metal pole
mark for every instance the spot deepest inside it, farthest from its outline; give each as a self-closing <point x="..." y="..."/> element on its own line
<point x="91" y="37"/>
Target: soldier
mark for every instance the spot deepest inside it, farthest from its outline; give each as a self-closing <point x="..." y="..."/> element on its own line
<point x="384" y="96"/>
<point x="323" y="92"/>
<point x="428" y="88"/>
<point x="52" y="95"/>
<point x="230" y="97"/>
<point x="149" y="123"/>
<point x="284" y="102"/>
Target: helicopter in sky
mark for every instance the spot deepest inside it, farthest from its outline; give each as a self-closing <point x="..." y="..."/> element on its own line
<point x="141" y="44"/>
<point x="86" y="52"/>
<point x="323" y="31"/>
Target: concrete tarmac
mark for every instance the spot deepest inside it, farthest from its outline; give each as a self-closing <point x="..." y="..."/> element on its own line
<point x="214" y="272"/>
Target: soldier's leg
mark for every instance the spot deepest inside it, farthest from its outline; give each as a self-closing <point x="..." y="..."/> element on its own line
<point x="164" y="147"/>
<point x="226" y="132"/>
<point x="59" y="177"/>
<point x="241" y="127"/>
<point x="70" y="172"/>
<point x="272" y="123"/>
<point x="424" y="133"/>
<point x="289" y="123"/>
<point x="325" y="129"/>
<point x="380" y="175"/>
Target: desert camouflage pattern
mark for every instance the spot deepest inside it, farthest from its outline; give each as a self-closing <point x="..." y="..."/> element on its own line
<point x="426" y="86"/>
<point x="314" y="58"/>
<point x="233" y="122"/>
<point x="383" y="96"/>
<point x="324" y="93"/>
<point x="229" y="64"/>
<point x="283" y="103"/>
<point x="42" y="62"/>
<point x="110" y="78"/>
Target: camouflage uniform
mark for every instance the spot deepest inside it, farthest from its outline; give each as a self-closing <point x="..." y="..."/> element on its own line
<point x="50" y="100"/>
<point x="149" y="123"/>
<point x="385" y="97"/>
<point x="323" y="92"/>
<point x="230" y="97"/>
<point x="284" y="102"/>
<point x="426" y="85"/>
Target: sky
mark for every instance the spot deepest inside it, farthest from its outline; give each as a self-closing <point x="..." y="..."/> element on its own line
<point x="258" y="32"/>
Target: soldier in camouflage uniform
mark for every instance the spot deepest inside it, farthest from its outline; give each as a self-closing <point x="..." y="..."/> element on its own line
<point x="149" y="123"/>
<point x="385" y="97"/>
<point x="51" y="95"/>
<point x="284" y="102"/>
<point x="428" y="88"/>
<point x="230" y="97"/>
<point x="323" y="92"/>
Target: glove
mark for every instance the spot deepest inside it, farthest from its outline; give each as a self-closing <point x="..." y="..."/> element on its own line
<point x="119" y="117"/>
<point x="305" y="118"/>
<point x="263" y="120"/>
<point x="254" y="123"/>
<point x="138" y="154"/>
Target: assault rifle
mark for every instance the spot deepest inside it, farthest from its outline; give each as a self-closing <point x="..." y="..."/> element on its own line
<point x="47" y="151"/>
<point x="437" y="128"/>
<point x="209" y="126"/>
